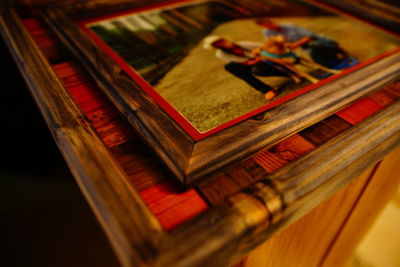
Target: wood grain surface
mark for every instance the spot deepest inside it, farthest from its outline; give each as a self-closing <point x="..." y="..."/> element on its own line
<point x="112" y="166"/>
<point x="377" y="194"/>
<point x="100" y="177"/>
<point x="328" y="235"/>
<point x="283" y="197"/>
<point x="138" y="163"/>
<point x="379" y="12"/>
<point x="305" y="243"/>
<point x="190" y="160"/>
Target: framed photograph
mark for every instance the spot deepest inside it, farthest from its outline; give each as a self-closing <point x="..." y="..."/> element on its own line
<point x="209" y="83"/>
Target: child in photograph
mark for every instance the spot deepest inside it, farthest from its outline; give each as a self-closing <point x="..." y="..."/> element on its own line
<point x="242" y="63"/>
<point x="321" y="49"/>
<point x="279" y="50"/>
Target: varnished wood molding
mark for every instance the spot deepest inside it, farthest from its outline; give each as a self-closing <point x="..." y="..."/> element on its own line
<point x="191" y="161"/>
<point x="223" y="233"/>
<point x="73" y="4"/>
<point x="376" y="11"/>
<point x="132" y="228"/>
<point x="283" y="197"/>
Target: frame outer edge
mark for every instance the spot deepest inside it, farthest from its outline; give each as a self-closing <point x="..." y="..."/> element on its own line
<point x="135" y="238"/>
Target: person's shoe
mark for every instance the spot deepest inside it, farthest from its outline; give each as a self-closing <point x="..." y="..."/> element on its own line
<point x="270" y="94"/>
<point x="296" y="79"/>
<point x="313" y="80"/>
<point x="334" y="71"/>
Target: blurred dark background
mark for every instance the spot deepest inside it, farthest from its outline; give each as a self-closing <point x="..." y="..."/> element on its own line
<point x="45" y="220"/>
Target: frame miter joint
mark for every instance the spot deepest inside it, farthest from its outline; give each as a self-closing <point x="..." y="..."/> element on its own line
<point x="265" y="192"/>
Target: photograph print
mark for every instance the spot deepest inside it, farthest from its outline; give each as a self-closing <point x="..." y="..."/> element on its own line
<point x="213" y="64"/>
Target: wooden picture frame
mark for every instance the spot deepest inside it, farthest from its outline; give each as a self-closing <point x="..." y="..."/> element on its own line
<point x="189" y="158"/>
<point x="384" y="13"/>
<point x="227" y="232"/>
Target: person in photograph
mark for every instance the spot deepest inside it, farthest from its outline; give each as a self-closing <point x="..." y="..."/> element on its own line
<point x="279" y="50"/>
<point x="322" y="50"/>
<point x="241" y="62"/>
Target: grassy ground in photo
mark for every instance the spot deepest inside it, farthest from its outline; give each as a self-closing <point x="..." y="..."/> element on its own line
<point x="207" y="95"/>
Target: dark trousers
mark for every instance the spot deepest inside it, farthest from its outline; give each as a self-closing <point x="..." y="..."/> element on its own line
<point x="248" y="73"/>
<point x="325" y="52"/>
